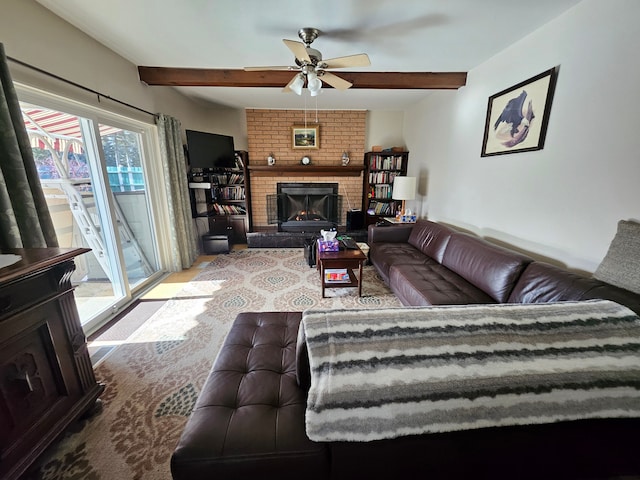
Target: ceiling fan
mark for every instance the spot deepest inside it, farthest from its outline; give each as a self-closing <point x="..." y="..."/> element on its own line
<point x="312" y="68"/>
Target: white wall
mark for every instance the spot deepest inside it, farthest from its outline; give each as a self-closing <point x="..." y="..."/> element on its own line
<point x="384" y="128"/>
<point x="32" y="34"/>
<point x="561" y="203"/>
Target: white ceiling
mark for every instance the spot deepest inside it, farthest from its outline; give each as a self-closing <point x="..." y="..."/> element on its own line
<point x="398" y="35"/>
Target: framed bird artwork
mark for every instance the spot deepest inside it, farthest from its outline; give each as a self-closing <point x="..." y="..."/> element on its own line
<point x="517" y="117"/>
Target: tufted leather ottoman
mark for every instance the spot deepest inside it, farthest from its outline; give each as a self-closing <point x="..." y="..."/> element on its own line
<point x="249" y="417"/>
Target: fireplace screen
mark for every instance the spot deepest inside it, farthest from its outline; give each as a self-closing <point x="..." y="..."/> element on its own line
<point x="305" y="207"/>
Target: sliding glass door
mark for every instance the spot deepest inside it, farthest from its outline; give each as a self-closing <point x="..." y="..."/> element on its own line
<point x="92" y="170"/>
<point x="126" y="180"/>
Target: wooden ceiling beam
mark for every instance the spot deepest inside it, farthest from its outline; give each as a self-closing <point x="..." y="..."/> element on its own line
<point x="206" y="77"/>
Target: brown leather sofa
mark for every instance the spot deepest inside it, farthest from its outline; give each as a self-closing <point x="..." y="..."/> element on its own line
<point x="249" y="420"/>
<point x="428" y="263"/>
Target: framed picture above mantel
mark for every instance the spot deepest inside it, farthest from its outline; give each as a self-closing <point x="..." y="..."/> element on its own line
<point x="517" y="117"/>
<point x="305" y="137"/>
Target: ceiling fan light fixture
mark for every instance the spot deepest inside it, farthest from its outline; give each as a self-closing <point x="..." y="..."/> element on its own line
<point x="297" y="84"/>
<point x="312" y="69"/>
<point x="314" y="84"/>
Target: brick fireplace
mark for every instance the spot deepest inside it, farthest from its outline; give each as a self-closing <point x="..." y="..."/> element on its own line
<point x="269" y="132"/>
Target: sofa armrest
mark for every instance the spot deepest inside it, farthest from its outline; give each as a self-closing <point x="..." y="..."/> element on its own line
<point x="389" y="233"/>
<point x="619" y="295"/>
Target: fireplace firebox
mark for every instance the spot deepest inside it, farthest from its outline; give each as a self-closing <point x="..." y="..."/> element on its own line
<point x="305" y="207"/>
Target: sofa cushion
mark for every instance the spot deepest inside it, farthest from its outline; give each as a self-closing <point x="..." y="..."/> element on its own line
<point x="430" y="238"/>
<point x="621" y="264"/>
<point x="433" y="284"/>
<point x="384" y="255"/>
<point x="249" y="416"/>
<point x="542" y="282"/>
<point x="491" y="268"/>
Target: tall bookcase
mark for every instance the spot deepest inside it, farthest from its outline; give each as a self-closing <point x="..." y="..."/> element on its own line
<point x="380" y="170"/>
<point x="223" y="196"/>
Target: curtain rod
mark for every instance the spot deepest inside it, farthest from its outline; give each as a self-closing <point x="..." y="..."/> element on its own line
<point x="87" y="89"/>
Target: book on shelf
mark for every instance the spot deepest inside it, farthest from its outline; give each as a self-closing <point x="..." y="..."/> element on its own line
<point x="382" y="177"/>
<point x="220" y="209"/>
<point x="385" y="162"/>
<point x="235" y="178"/>
<point x="235" y="192"/>
<point x="381" y="208"/>
<point x="227" y="178"/>
<point x="383" y="191"/>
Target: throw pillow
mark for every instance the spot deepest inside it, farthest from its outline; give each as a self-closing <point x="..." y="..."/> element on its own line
<point x="621" y="264"/>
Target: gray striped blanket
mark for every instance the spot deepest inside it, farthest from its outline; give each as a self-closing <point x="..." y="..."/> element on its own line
<point x="404" y="371"/>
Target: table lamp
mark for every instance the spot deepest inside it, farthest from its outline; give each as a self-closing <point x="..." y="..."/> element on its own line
<point x="404" y="188"/>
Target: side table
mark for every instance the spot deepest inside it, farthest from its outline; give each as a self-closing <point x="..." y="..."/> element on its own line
<point x="349" y="260"/>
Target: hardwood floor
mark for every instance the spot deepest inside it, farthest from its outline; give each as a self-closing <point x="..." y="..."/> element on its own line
<point x="130" y="319"/>
<point x="174" y="281"/>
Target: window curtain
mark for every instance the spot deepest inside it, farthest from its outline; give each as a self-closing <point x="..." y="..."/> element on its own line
<point x="24" y="216"/>
<point x="175" y="179"/>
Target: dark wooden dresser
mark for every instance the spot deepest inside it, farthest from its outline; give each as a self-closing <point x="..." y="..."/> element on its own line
<point x="46" y="376"/>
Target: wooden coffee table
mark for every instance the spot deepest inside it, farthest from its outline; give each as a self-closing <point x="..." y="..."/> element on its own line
<point x="349" y="260"/>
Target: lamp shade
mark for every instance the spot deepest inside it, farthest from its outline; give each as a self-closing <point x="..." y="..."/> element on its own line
<point x="297" y="84"/>
<point x="314" y="84"/>
<point x="404" y="188"/>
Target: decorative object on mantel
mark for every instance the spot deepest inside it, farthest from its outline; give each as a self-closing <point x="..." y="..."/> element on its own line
<point x="305" y="161"/>
<point x="271" y="160"/>
<point x="517" y="117"/>
<point x="305" y="137"/>
<point x="345" y="158"/>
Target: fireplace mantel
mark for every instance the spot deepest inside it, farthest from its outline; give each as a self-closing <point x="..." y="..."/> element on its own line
<point x="305" y="171"/>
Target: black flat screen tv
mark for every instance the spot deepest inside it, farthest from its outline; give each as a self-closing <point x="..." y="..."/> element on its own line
<point x="210" y="150"/>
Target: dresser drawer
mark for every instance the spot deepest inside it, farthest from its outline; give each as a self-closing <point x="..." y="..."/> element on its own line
<point x="16" y="296"/>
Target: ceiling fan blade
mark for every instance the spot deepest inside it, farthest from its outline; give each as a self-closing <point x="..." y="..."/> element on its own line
<point x="299" y="50"/>
<point x="359" y="60"/>
<point x="335" y="81"/>
<point x="276" y="67"/>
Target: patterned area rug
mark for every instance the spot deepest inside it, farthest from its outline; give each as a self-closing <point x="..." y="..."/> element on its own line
<point x="153" y="379"/>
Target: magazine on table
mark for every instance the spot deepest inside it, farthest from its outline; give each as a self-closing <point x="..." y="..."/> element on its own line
<point x="336" y="275"/>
